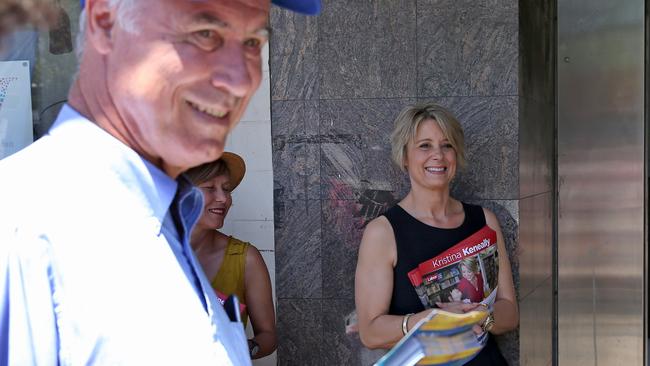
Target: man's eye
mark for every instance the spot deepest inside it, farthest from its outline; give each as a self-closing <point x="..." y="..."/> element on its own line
<point x="207" y="39"/>
<point x="205" y="33"/>
<point x="253" y="43"/>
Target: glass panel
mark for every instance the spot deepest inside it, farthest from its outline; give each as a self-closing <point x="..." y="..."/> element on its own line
<point x="37" y="67"/>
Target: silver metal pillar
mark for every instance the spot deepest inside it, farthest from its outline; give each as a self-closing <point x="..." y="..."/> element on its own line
<point x="600" y="81"/>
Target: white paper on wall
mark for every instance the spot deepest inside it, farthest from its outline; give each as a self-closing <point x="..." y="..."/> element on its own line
<point x="16" y="126"/>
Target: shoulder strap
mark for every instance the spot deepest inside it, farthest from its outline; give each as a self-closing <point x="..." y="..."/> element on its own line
<point x="393" y="216"/>
<point x="230" y="277"/>
<point x="474" y="214"/>
<point x="236" y="247"/>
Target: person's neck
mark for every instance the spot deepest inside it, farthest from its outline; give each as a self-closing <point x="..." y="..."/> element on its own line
<point x="429" y="204"/>
<point x="200" y="237"/>
<point x="89" y="95"/>
<point x="203" y="238"/>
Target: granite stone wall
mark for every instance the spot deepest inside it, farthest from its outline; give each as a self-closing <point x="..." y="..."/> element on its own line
<point x="337" y="83"/>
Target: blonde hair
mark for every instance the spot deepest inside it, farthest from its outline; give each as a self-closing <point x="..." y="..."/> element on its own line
<point x="406" y="126"/>
<point x="470" y="263"/>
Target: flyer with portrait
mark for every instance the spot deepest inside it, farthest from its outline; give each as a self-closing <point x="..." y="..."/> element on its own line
<point x="467" y="272"/>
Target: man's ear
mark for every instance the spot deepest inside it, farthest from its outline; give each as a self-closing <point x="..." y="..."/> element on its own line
<point x="100" y="18"/>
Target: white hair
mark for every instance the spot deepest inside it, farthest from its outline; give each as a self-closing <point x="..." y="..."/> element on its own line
<point x="125" y="16"/>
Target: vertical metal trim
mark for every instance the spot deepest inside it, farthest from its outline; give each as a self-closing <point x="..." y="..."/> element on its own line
<point x="646" y="284"/>
<point x="556" y="198"/>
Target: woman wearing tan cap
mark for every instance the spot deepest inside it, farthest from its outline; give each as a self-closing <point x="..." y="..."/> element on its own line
<point x="233" y="266"/>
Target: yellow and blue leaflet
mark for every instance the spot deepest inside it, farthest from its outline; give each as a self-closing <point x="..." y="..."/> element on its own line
<point x="442" y="338"/>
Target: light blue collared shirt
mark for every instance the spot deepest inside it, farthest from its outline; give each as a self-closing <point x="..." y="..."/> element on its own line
<point x="90" y="270"/>
<point x="191" y="199"/>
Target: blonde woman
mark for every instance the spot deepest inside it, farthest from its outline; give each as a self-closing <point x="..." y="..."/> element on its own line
<point x="471" y="281"/>
<point x="427" y="144"/>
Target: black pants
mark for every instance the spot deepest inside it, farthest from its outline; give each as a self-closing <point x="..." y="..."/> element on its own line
<point x="490" y="355"/>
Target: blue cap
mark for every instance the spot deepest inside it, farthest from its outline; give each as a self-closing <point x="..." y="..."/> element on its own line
<point x="308" y="7"/>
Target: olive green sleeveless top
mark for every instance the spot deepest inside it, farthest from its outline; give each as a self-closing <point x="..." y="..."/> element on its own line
<point x="230" y="277"/>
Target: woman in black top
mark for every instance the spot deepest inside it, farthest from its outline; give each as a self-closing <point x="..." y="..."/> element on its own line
<point x="428" y="144"/>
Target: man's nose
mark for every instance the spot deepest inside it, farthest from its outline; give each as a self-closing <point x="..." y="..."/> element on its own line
<point x="231" y="70"/>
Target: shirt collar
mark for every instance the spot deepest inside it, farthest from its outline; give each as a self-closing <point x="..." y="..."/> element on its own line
<point x="155" y="189"/>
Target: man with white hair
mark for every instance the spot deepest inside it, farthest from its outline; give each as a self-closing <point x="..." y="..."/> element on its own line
<point x="95" y="217"/>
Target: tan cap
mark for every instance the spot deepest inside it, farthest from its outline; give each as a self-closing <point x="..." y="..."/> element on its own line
<point x="236" y="168"/>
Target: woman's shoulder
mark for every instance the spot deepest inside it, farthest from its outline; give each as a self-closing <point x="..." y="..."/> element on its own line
<point x="379" y="233"/>
<point x="378" y="243"/>
<point x="235" y="241"/>
<point x="253" y="257"/>
<point x="237" y="246"/>
<point x="378" y="226"/>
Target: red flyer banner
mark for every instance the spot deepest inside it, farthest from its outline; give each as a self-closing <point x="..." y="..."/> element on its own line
<point x="470" y="246"/>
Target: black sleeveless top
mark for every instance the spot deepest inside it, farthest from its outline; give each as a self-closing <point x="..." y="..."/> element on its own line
<point x="417" y="242"/>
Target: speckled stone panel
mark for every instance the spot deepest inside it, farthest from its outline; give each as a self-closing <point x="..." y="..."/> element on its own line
<point x="342" y="348"/>
<point x="357" y="159"/>
<point x="342" y="230"/>
<point x="298" y="168"/>
<point x="298" y="249"/>
<point x="467" y="47"/>
<point x="293" y="56"/>
<point x="300" y="332"/>
<point x="490" y="125"/>
<point x="367" y="49"/>
<point x="294" y="118"/>
<point x="296" y="150"/>
<point x="337" y="83"/>
<point x="343" y="224"/>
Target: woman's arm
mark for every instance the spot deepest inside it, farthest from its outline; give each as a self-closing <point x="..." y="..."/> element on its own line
<point x="374" y="287"/>
<point x="506" y="311"/>
<point x="259" y="302"/>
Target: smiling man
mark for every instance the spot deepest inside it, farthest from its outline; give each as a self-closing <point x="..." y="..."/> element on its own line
<point x="95" y="262"/>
